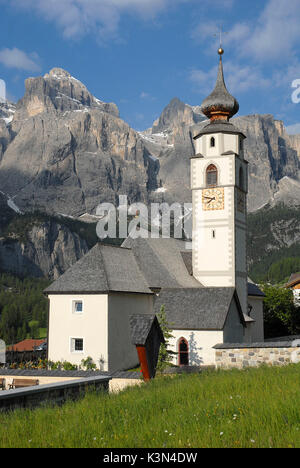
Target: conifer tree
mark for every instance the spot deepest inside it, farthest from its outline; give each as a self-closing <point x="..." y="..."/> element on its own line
<point x="165" y="356"/>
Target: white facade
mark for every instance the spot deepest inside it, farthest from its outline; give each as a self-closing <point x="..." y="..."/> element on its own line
<point x="201" y="342"/>
<point x="219" y="230"/>
<point x="103" y="327"/>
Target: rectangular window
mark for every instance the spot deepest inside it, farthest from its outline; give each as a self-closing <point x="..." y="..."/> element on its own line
<point x="76" y="345"/>
<point x="77" y="307"/>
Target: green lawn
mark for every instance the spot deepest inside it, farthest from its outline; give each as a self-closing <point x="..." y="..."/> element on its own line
<point x="250" y="408"/>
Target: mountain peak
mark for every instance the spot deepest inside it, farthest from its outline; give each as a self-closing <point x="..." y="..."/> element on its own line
<point x="58" y="73"/>
<point x="59" y="91"/>
<point x="177" y="114"/>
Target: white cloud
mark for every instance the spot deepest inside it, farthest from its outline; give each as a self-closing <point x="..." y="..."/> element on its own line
<point x="147" y="96"/>
<point x="274" y="34"/>
<point x="80" y="17"/>
<point x="293" y="129"/>
<point x="2" y="91"/>
<point x="238" y="78"/>
<point x="277" y="33"/>
<point x="16" y="58"/>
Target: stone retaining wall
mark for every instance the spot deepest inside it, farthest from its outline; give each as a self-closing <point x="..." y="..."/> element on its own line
<point x="55" y="393"/>
<point x="254" y="355"/>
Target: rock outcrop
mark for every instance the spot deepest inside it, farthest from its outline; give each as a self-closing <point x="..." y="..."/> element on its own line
<point x="273" y="158"/>
<point x="65" y="151"/>
<point x="69" y="151"/>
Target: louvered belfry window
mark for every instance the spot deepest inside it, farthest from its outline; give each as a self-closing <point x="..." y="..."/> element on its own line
<point x="211" y="176"/>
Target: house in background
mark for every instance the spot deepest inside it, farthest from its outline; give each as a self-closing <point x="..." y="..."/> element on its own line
<point x="26" y="345"/>
<point x="294" y="284"/>
<point x="206" y="292"/>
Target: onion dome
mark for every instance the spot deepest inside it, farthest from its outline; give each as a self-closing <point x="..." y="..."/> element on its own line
<point x="220" y="104"/>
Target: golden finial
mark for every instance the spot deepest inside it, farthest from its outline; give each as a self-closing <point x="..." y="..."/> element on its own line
<point x="220" y="50"/>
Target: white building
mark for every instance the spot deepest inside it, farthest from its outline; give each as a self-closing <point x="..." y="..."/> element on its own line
<point x="207" y="295"/>
<point x="294" y="284"/>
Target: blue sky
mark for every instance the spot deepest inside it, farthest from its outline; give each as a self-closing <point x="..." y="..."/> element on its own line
<point x="142" y="53"/>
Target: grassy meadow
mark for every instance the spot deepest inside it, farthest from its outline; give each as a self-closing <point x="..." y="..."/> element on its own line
<point x="250" y="408"/>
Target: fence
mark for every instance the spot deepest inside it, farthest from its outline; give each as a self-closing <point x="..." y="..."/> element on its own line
<point x="20" y="357"/>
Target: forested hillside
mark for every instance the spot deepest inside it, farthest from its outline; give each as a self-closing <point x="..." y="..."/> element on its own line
<point x="274" y="243"/>
<point x="23" y="308"/>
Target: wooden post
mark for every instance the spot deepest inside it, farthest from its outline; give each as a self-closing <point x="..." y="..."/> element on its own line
<point x="142" y="354"/>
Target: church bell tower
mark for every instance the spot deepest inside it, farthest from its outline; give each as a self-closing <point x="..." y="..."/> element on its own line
<point x="219" y="181"/>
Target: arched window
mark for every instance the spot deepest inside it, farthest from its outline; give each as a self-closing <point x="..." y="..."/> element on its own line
<point x="183" y="352"/>
<point x="241" y="178"/>
<point x="211" y="176"/>
<point x="212" y="142"/>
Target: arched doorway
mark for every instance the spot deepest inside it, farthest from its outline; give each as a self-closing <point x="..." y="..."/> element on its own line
<point x="183" y="352"/>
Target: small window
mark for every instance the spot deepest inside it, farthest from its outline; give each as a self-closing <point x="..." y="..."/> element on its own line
<point x="211" y="176"/>
<point x="212" y="142"/>
<point x="183" y="352"/>
<point x="213" y="234"/>
<point x="77" y="307"/>
<point x="76" y="345"/>
<point x="241" y="144"/>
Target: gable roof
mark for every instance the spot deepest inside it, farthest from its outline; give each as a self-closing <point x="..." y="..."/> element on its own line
<point x="254" y="290"/>
<point x="294" y="279"/>
<point x="197" y="308"/>
<point x="25" y="345"/>
<point x="103" y="269"/>
<point x="161" y="262"/>
<point x="140" y="326"/>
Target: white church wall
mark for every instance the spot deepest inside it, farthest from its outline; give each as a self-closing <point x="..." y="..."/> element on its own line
<point x="122" y="353"/>
<point x="257" y="328"/>
<point x="233" y="329"/>
<point x="223" y="142"/>
<point x="90" y="325"/>
<point x="200" y="343"/>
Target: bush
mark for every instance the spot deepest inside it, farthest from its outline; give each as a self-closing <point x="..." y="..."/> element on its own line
<point x="281" y="315"/>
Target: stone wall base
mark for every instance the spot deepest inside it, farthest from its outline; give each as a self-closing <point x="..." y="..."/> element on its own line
<point x="254" y="357"/>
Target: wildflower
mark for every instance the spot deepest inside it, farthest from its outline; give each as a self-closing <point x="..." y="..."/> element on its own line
<point x="253" y="441"/>
<point x="221" y="433"/>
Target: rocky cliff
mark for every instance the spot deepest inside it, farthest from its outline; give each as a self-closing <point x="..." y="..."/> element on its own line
<point x="66" y="151"/>
<point x="36" y="247"/>
<point x="273" y="158"/>
<point x="63" y="151"/>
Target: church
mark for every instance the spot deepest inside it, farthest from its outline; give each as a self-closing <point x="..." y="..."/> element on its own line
<point x="207" y="295"/>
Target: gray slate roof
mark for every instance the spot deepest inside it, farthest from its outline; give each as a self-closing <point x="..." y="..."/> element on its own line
<point x="224" y="127"/>
<point x="103" y="269"/>
<point x="140" y="326"/>
<point x="197" y="308"/>
<point x="161" y="262"/>
<point x="253" y="289"/>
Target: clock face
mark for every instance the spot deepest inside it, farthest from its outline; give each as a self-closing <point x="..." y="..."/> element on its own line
<point x="213" y="199"/>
